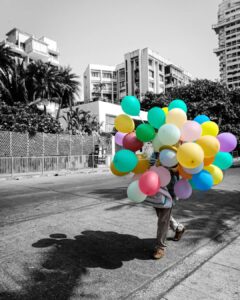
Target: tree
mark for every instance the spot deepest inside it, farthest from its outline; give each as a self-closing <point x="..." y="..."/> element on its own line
<point x="81" y="122"/>
<point x="6" y="59"/>
<point x="42" y="82"/>
<point x="203" y="97"/>
<point x="98" y="87"/>
<point x="20" y="118"/>
<point x="68" y="87"/>
<point x="13" y="85"/>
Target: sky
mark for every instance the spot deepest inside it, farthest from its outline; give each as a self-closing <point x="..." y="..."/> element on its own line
<point x="101" y="31"/>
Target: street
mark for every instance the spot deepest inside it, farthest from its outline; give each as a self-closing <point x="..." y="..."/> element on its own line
<point x="77" y="236"/>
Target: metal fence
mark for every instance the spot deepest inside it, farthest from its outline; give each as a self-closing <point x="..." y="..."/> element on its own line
<point x="21" y="153"/>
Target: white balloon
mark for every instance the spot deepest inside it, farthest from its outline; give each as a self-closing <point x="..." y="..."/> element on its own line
<point x="168" y="134"/>
<point x="168" y="158"/>
<point x="134" y="193"/>
<point x="194" y="170"/>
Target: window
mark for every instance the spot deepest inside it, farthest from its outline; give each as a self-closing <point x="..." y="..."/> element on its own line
<point x="114" y="75"/>
<point x="109" y="123"/>
<point x="160" y="68"/>
<point x="151" y="74"/>
<point x="95" y="74"/>
<point x="122" y="84"/>
<point x="151" y="85"/>
<point x="150" y="62"/>
<point x="107" y="75"/>
<point x="160" y="77"/>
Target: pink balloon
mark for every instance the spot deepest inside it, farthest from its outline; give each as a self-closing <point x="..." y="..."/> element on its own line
<point x="119" y="136"/>
<point x="131" y="142"/>
<point x="163" y="173"/>
<point x="183" y="189"/>
<point x="149" y="183"/>
<point x="191" y="131"/>
<point x="228" y="141"/>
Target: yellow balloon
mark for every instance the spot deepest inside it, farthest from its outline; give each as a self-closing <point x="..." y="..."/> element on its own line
<point x="209" y="144"/>
<point x="177" y="117"/>
<point x="165" y="110"/>
<point x="124" y="123"/>
<point x="210" y="128"/>
<point x="216" y="173"/>
<point x="116" y="172"/>
<point x="143" y="164"/>
<point x="190" y="155"/>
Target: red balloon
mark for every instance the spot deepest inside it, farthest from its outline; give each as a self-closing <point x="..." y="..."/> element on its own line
<point x="149" y="183"/>
<point x="131" y="142"/>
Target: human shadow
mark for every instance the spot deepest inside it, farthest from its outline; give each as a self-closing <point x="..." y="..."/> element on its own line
<point x="205" y="214"/>
<point x="67" y="261"/>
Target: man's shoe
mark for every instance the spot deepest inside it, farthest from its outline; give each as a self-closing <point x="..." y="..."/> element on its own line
<point x="178" y="234"/>
<point x="158" y="253"/>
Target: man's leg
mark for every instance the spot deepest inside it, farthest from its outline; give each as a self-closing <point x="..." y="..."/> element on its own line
<point x="162" y="229"/>
<point x="178" y="228"/>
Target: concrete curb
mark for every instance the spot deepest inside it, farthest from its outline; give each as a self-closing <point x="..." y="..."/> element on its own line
<point x="63" y="173"/>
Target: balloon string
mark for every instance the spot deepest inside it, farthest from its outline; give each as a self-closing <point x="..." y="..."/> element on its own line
<point x="141" y="119"/>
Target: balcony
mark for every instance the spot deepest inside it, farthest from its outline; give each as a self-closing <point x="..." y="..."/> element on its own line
<point x="218" y="50"/>
<point x="37" y="50"/>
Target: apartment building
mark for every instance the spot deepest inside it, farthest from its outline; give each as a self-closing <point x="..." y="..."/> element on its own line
<point x="228" y="51"/>
<point x="143" y="70"/>
<point x="28" y="48"/>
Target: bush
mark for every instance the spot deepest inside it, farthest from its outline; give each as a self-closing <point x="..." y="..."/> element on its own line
<point x="20" y="118"/>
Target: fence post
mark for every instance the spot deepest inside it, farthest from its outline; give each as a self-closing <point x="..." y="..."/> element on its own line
<point x="43" y="152"/>
<point x="57" y="152"/>
<point x="27" y="152"/>
<point x="11" y="153"/>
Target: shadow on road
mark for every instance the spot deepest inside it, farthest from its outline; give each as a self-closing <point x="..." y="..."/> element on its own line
<point x="205" y="214"/>
<point x="67" y="261"/>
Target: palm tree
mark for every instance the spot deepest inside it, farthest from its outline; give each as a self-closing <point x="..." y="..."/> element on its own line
<point x="68" y="87"/>
<point x="42" y="83"/>
<point x="80" y="121"/>
<point x="98" y="89"/>
<point x="13" y="86"/>
<point x="6" y="59"/>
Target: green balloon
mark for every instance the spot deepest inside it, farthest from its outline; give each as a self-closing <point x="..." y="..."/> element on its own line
<point x="178" y="103"/>
<point x="223" y="160"/>
<point x="131" y="105"/>
<point x="125" y="160"/>
<point x="145" y="132"/>
<point x="156" y="117"/>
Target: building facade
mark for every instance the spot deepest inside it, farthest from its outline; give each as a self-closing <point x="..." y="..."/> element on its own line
<point x="142" y="71"/>
<point x="28" y="48"/>
<point x="228" y="51"/>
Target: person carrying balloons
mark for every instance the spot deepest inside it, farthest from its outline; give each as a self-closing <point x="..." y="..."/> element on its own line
<point x="193" y="147"/>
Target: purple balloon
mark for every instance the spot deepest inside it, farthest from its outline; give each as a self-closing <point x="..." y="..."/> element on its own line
<point x="119" y="136"/>
<point x="183" y="189"/>
<point x="228" y="142"/>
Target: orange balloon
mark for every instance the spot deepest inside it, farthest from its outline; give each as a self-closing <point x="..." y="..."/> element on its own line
<point x="182" y="173"/>
<point x="208" y="160"/>
<point x="116" y="172"/>
<point x="143" y="164"/>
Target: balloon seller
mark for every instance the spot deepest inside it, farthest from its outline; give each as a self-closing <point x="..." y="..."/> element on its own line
<point x="191" y="154"/>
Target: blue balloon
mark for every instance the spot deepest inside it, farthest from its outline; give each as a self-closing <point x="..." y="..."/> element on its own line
<point x="201" y="119"/>
<point x="202" y="181"/>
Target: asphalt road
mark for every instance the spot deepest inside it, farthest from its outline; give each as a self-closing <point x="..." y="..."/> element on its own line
<point x="77" y="236"/>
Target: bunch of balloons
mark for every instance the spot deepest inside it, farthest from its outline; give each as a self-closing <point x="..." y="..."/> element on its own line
<point x="193" y="147"/>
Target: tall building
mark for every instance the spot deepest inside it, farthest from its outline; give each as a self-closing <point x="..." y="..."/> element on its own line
<point x="228" y="51"/>
<point x="28" y="48"/>
<point x="142" y="71"/>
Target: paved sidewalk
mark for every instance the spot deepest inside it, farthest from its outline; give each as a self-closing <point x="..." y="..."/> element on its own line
<point x="218" y="278"/>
